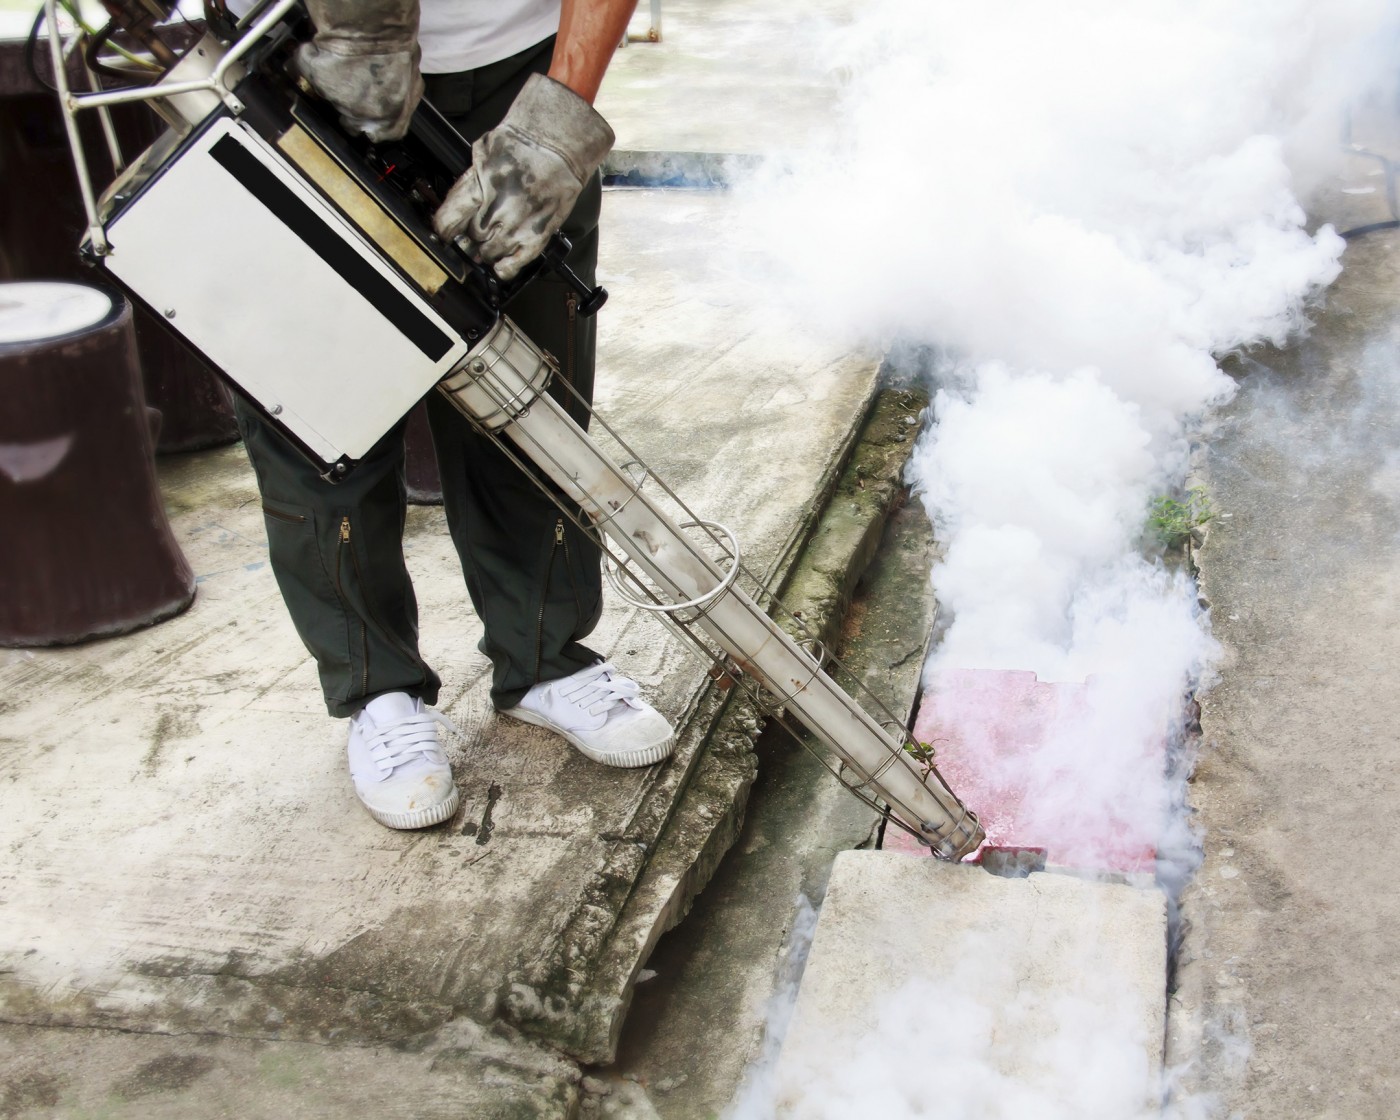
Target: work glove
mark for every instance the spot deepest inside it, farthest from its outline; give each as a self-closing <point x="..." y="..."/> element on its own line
<point x="364" y="61"/>
<point x="525" y="177"/>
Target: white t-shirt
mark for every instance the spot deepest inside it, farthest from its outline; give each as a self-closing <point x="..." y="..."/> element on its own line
<point x="464" y="34"/>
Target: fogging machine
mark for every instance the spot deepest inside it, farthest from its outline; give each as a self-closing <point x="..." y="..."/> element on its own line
<point x="301" y="263"/>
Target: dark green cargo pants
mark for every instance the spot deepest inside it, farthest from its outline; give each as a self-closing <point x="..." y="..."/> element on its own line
<point x="337" y="550"/>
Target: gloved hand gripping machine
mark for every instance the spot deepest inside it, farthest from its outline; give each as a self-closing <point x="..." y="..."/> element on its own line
<point x="319" y="290"/>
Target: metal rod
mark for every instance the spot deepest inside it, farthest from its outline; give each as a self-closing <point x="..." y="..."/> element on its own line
<point x="141" y="93"/>
<point x="255" y="33"/>
<point x="213" y="83"/>
<point x="114" y="148"/>
<point x="70" y="122"/>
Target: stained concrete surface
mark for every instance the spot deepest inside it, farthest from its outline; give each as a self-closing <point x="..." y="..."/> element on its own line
<point x="728" y="77"/>
<point x="185" y="859"/>
<point x="935" y="984"/>
<point x="1289" y="1000"/>
<point x="454" y="1072"/>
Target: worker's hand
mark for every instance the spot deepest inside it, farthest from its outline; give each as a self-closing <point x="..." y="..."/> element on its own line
<point x="525" y="177"/>
<point x="364" y="61"/>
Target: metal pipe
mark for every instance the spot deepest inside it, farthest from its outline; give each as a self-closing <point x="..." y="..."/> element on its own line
<point x="215" y="82"/>
<point x="100" y="244"/>
<point x="264" y="23"/>
<point x="109" y="131"/>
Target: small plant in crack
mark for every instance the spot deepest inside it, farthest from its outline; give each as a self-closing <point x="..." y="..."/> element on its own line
<point x="923" y="753"/>
<point x="1171" y="520"/>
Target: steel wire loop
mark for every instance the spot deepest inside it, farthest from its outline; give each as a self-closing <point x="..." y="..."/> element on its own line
<point x="612" y="568"/>
<point x="602" y="488"/>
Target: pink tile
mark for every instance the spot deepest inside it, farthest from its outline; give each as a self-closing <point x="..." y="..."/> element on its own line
<point x="1058" y="766"/>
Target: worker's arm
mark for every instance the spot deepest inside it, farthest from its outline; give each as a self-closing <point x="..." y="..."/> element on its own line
<point x="589" y="32"/>
<point x="527" y="172"/>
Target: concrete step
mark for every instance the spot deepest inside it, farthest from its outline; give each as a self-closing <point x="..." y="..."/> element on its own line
<point x="941" y="989"/>
<point x="591" y="972"/>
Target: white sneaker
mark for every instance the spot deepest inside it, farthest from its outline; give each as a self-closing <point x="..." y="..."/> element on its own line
<point x="397" y="763"/>
<point x="598" y="711"/>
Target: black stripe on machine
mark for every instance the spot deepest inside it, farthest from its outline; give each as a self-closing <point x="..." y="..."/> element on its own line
<point x="298" y="217"/>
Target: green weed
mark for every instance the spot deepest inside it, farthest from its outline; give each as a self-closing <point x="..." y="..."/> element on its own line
<point x="1171" y="520"/>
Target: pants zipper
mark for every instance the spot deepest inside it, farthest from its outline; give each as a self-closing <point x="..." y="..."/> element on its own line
<point x="560" y="538"/>
<point x="544" y="597"/>
<point x="384" y="631"/>
<point x="340" y="591"/>
<point x="294" y="518"/>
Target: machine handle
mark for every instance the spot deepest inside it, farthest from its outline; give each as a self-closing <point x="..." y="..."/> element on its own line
<point x="554" y="259"/>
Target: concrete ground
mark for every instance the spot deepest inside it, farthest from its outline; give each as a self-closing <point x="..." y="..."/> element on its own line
<point x="1289" y="999"/>
<point x="727" y="78"/>
<point x="199" y="920"/>
<point x="1037" y="996"/>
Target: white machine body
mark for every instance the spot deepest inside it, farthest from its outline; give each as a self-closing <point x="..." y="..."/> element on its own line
<point x="281" y="293"/>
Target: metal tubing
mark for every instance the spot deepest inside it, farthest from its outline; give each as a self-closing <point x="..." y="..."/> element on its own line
<point x="109" y="131"/>
<point x="653" y="33"/>
<point x="759" y="648"/>
<point x="141" y="93"/>
<point x="70" y="122"/>
<point x="213" y="83"/>
<point x="246" y="43"/>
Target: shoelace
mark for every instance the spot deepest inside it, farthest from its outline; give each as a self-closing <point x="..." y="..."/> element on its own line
<point x="408" y="738"/>
<point x="602" y="692"/>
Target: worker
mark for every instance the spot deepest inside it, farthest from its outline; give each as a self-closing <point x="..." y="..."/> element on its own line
<point x="517" y="78"/>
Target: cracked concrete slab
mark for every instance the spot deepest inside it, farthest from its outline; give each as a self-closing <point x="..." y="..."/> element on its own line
<point x="184" y="853"/>
<point x="940" y="985"/>
<point x="705" y="821"/>
<point x="729" y="972"/>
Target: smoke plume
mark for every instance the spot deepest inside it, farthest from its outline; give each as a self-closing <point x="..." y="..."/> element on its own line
<point x="1067" y="212"/>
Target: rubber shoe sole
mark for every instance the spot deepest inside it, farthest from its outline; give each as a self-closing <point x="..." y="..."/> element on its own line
<point x="623" y="760"/>
<point x="418" y="818"/>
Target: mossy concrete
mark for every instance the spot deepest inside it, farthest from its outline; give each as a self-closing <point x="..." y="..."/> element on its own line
<point x="849" y="532"/>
